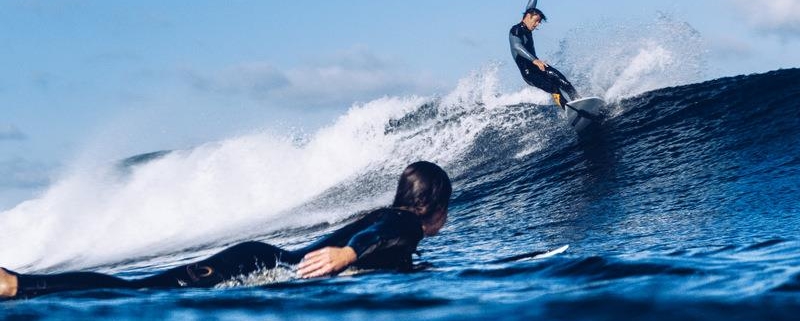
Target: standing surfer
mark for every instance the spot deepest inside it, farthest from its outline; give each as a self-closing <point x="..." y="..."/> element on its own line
<point x="536" y="72"/>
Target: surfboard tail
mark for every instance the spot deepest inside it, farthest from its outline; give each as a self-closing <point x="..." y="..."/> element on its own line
<point x="580" y="113"/>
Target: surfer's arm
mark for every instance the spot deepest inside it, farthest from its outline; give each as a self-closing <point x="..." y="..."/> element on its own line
<point x="519" y="48"/>
<point x="326" y="261"/>
<point x="391" y="230"/>
<point x="531" y="4"/>
<point x="388" y="231"/>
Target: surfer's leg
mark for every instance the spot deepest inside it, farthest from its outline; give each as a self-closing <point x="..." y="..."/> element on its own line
<point x="541" y="80"/>
<point x="562" y="83"/>
<point x="570" y="90"/>
<point x="551" y="81"/>
<point x="31" y="285"/>
<point x="240" y="259"/>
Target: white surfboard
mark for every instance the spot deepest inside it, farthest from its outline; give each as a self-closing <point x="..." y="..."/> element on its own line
<point x="551" y="252"/>
<point x="582" y="112"/>
<point x="533" y="255"/>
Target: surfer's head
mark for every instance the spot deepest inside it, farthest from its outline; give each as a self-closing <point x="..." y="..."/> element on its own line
<point x="424" y="188"/>
<point x="535" y="12"/>
<point x="533" y="17"/>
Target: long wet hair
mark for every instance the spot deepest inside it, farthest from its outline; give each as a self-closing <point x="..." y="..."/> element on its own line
<point x="424" y="188"/>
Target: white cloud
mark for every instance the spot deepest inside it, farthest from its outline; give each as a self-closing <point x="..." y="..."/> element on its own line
<point x="10" y="132"/>
<point x="21" y="179"/>
<point x="727" y="47"/>
<point x="780" y="17"/>
<point x="252" y="79"/>
<point x="346" y="76"/>
<point x="21" y="173"/>
<point x="358" y="57"/>
<point x="469" y="41"/>
<point x="333" y="82"/>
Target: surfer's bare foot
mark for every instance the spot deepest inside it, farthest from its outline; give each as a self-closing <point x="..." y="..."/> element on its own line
<point x="8" y="284"/>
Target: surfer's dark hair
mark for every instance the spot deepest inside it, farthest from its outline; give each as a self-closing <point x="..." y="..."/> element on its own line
<point x="425" y="188"/>
<point x="535" y="12"/>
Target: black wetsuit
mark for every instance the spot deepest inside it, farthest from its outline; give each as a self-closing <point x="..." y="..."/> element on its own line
<point x="524" y="53"/>
<point x="383" y="239"/>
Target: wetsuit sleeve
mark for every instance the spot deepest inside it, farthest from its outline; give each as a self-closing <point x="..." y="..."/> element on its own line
<point x="391" y="230"/>
<point x="518" y="48"/>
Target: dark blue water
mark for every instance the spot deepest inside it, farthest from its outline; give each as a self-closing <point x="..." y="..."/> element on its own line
<point x="684" y="207"/>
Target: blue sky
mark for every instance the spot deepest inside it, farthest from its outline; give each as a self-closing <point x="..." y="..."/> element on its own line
<point x="147" y="75"/>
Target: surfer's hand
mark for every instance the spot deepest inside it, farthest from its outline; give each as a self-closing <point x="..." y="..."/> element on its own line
<point x="326" y="261"/>
<point x="541" y="64"/>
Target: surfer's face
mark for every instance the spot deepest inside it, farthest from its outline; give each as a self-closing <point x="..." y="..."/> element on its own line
<point x="532" y="21"/>
<point x="431" y="227"/>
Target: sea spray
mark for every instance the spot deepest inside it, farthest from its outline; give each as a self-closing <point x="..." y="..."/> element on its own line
<point x="617" y="60"/>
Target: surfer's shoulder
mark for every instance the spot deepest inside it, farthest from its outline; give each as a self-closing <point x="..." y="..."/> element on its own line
<point x="395" y="215"/>
<point x="517" y="29"/>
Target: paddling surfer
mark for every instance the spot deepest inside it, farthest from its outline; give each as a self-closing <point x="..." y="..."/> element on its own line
<point x="383" y="239"/>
